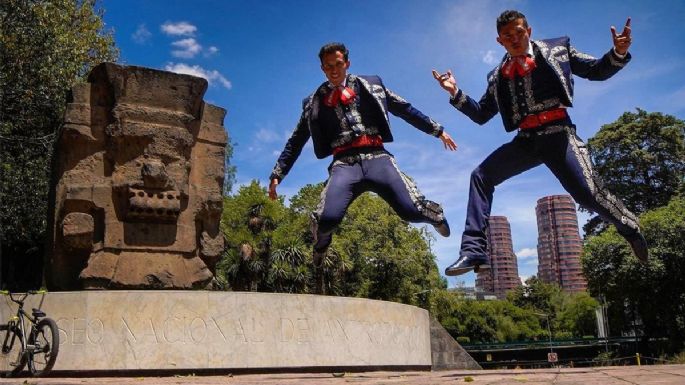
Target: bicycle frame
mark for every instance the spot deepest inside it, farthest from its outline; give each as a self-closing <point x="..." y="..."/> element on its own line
<point x="18" y="324"/>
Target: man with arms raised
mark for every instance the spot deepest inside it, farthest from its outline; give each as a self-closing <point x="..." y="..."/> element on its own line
<point x="531" y="89"/>
<point x="347" y="117"/>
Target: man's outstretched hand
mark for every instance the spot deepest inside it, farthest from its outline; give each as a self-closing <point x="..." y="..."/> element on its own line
<point x="447" y="141"/>
<point x="272" y="189"/>
<point x="446" y="81"/>
<point x="622" y="41"/>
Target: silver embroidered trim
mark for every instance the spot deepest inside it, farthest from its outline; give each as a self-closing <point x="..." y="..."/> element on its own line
<point x="343" y="160"/>
<point x="348" y="133"/>
<point x="545" y="131"/>
<point x="581" y="55"/>
<point x="459" y="103"/>
<point x="516" y="115"/>
<point x="614" y="62"/>
<point x="378" y="97"/>
<point x="429" y="209"/>
<point x="343" y="138"/>
<point x="559" y="54"/>
<point x="492" y="83"/>
<point x="544" y="48"/>
<point x="553" y="57"/>
<point x="314" y="109"/>
<point x="322" y="202"/>
<point x="436" y="127"/>
<point x="533" y="105"/>
<point x="277" y="171"/>
<point x="395" y="96"/>
<point x="599" y="193"/>
<point x="348" y="137"/>
<point x="341" y="118"/>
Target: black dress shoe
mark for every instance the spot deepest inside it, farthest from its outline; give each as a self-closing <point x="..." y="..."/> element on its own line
<point x="639" y="245"/>
<point x="465" y="264"/>
<point x="443" y="228"/>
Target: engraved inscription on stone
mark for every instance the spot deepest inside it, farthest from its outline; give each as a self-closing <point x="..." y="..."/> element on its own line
<point x="162" y="329"/>
<point x="184" y="329"/>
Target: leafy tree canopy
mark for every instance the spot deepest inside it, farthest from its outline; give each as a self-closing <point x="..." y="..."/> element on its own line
<point x="46" y="46"/>
<point x="650" y="295"/>
<point x="641" y="159"/>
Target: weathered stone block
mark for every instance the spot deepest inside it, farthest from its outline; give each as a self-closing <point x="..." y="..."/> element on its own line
<point x="139" y="162"/>
<point x="175" y="330"/>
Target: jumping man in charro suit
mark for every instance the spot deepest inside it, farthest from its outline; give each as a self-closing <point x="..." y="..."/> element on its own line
<point x="347" y="117"/>
<point x="531" y="89"/>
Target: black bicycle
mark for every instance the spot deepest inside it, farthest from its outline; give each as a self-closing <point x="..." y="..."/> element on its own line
<point x="35" y="347"/>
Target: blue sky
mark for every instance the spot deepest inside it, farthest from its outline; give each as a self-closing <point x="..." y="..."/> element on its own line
<point x="260" y="58"/>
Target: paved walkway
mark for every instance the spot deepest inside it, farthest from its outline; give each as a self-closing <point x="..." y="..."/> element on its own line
<point x="642" y="375"/>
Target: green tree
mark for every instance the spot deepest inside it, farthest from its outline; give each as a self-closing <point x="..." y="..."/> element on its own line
<point x="575" y="315"/>
<point x="570" y="314"/>
<point x="536" y="295"/>
<point x="497" y="321"/>
<point x="248" y="222"/>
<point x="647" y="297"/>
<point x="46" y="46"/>
<point x="229" y="168"/>
<point x="268" y="246"/>
<point x="641" y="159"/>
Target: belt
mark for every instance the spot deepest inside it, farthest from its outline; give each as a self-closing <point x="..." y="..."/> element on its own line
<point x="360" y="141"/>
<point x="537" y="120"/>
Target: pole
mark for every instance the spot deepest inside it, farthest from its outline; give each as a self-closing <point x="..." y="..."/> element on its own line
<point x="549" y="332"/>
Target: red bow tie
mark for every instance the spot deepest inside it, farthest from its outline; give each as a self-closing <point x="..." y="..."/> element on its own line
<point x="520" y="65"/>
<point x="344" y="95"/>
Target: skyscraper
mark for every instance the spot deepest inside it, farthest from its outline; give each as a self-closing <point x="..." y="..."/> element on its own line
<point x="503" y="274"/>
<point x="559" y="244"/>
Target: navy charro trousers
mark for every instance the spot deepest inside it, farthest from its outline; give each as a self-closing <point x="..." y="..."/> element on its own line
<point x="346" y="182"/>
<point x="568" y="159"/>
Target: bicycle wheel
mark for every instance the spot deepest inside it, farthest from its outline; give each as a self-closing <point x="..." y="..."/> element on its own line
<point x="13" y="359"/>
<point x="45" y="339"/>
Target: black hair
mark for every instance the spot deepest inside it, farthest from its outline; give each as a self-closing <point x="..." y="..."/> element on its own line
<point x="508" y="16"/>
<point x="332" y="48"/>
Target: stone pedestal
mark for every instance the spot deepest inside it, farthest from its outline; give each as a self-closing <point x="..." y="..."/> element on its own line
<point x="182" y="330"/>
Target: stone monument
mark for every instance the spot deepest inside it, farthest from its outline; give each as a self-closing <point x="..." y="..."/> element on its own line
<point x="138" y="181"/>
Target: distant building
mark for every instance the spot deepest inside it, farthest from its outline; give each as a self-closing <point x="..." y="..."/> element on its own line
<point x="474" y="293"/>
<point x="504" y="273"/>
<point x="559" y="244"/>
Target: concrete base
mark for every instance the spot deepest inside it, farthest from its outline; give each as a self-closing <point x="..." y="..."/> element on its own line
<point x="180" y="330"/>
<point x="447" y="353"/>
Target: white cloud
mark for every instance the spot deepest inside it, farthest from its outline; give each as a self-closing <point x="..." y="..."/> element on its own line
<point x="188" y="48"/>
<point x="490" y="57"/>
<point x="141" y="35"/>
<point x="211" y="51"/>
<point x="527" y="253"/>
<point x="212" y="76"/>
<point x="524" y="278"/>
<point x="182" y="28"/>
<point x="470" y="25"/>
<point x="267" y="136"/>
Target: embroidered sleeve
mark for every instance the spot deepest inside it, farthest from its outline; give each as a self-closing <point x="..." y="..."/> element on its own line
<point x="581" y="55"/>
<point x="404" y="110"/>
<point x="591" y="68"/>
<point x="617" y="60"/>
<point x="479" y="112"/>
<point x="458" y="99"/>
